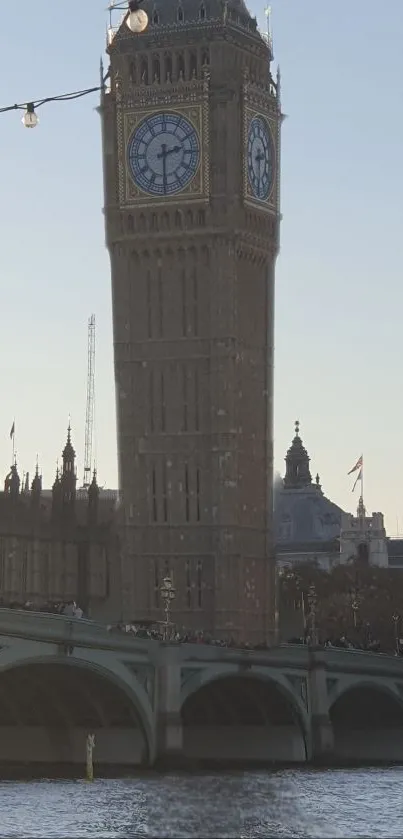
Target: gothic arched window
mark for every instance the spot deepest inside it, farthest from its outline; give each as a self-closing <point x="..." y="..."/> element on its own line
<point x="168" y="68"/>
<point x="156" y="69"/>
<point x="193" y="65"/>
<point x="178" y="219"/>
<point x="181" y="65"/>
<point x="363" y="553"/>
<point x="144" y="71"/>
<point x="156" y="17"/>
<point x="205" y="58"/>
<point x="202" y="12"/>
<point x="180" y="15"/>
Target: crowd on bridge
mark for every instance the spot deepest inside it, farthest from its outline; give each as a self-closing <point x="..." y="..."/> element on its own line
<point x="181" y="637"/>
<point x="200" y="637"/>
<point x="68" y="608"/>
<point x="371" y="645"/>
<point x="163" y="632"/>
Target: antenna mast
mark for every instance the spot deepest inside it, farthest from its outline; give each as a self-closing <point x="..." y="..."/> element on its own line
<point x="89" y="414"/>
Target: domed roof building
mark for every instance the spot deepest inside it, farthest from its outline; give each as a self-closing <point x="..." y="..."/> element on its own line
<point x="307" y="524"/>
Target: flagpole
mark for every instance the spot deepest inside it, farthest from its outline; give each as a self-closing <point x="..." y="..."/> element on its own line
<point x="362" y="480"/>
<point x="13" y="439"/>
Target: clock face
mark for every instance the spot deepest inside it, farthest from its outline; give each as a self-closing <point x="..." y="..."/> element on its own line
<point x="163" y="154"/>
<point x="260" y="158"/>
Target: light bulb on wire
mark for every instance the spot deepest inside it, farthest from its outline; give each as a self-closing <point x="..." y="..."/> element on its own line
<point x="137" y="19"/>
<point x="30" y="118"/>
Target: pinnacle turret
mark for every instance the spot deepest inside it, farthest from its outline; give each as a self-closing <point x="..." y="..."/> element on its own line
<point x="297" y="460"/>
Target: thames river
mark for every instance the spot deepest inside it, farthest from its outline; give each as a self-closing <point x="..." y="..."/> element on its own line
<point x="295" y="803"/>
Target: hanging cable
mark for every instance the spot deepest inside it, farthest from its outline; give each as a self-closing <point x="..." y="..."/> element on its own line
<point x="136" y="19"/>
<point x="30" y="118"/>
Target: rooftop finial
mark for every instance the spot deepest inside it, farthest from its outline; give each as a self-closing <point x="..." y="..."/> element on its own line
<point x="296" y="428"/>
<point x="267" y="12"/>
<point x="361" y="511"/>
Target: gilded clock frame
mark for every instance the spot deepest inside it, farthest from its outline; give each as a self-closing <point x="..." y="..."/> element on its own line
<point x="271" y="202"/>
<point x="197" y="189"/>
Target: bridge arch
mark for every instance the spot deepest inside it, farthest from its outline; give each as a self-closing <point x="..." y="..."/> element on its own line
<point x="48" y="705"/>
<point x="241" y="716"/>
<point x="367" y="721"/>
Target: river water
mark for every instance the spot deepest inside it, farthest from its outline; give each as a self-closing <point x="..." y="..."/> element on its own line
<point x="287" y="803"/>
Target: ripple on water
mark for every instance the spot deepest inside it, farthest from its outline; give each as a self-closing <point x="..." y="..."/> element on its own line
<point x="287" y="803"/>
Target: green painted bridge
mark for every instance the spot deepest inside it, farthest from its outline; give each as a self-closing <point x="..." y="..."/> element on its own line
<point x="152" y="703"/>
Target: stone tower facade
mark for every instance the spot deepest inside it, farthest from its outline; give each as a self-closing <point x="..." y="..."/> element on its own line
<point x="191" y="145"/>
<point x="364" y="537"/>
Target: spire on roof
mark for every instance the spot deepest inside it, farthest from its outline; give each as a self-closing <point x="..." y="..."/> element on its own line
<point x="297" y="459"/>
<point x="68" y="451"/>
<point x="36" y="486"/>
<point x="93" y="498"/>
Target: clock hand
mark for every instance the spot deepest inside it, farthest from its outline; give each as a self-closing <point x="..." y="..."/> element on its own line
<point x="163" y="154"/>
<point x="259" y="158"/>
<point x="174" y="150"/>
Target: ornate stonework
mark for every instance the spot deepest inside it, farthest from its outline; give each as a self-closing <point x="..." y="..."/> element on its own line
<point x="190" y="100"/>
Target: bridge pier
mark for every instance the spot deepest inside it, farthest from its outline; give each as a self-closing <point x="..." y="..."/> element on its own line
<point x="322" y="736"/>
<point x="169" y="731"/>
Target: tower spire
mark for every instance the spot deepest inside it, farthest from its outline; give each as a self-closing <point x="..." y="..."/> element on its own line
<point x="268" y="11"/>
<point x="297" y="459"/>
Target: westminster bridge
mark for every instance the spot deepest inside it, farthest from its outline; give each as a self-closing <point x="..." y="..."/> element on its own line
<point x="153" y="703"/>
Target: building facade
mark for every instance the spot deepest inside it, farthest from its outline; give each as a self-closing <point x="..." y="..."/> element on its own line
<point x="307" y="524"/>
<point x="59" y="545"/>
<point x="191" y="124"/>
<point x="311" y="528"/>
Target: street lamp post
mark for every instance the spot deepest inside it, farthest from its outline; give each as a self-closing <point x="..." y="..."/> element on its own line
<point x="396" y="619"/>
<point x="312" y="599"/>
<point x="355" y="606"/>
<point x="168" y="594"/>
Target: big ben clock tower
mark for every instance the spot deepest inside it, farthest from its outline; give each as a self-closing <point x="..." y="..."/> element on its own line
<point x="191" y="126"/>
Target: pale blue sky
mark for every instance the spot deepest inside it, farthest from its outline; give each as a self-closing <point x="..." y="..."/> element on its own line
<point x="339" y="280"/>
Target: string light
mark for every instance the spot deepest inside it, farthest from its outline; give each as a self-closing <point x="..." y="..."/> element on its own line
<point x="136" y="19"/>
<point x="30" y="118"/>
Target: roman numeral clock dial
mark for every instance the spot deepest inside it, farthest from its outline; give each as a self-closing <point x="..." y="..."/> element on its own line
<point x="260" y="158"/>
<point x="163" y="154"/>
